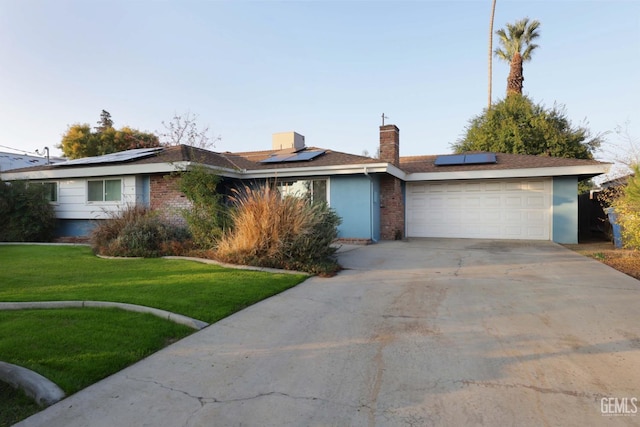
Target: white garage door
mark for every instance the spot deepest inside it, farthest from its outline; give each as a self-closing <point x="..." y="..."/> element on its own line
<point x="492" y="209"/>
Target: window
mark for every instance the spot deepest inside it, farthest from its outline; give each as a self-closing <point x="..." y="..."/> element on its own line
<point x="107" y="190"/>
<point x="51" y="193"/>
<point x="312" y="190"/>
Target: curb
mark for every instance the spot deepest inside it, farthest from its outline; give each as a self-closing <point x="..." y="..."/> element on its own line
<point x="237" y="266"/>
<point x="41" y="389"/>
<point x="176" y="318"/>
<point x="214" y="262"/>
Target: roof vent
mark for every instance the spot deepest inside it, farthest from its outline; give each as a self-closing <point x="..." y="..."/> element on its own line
<point x="287" y="141"/>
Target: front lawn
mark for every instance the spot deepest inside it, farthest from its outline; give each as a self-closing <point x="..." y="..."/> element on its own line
<point x="77" y="347"/>
<point x="202" y="291"/>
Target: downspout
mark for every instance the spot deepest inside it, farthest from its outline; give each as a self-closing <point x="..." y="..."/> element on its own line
<point x="366" y="173"/>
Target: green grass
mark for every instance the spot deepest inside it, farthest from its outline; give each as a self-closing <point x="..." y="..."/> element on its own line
<point x="15" y="405"/>
<point x="78" y="346"/>
<point x="202" y="291"/>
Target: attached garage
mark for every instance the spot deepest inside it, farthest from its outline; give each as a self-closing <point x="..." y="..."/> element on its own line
<point x="489" y="208"/>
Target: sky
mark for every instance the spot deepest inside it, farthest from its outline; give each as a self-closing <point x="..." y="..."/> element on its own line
<point x="325" y="69"/>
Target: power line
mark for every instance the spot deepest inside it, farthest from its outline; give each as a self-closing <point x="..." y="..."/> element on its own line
<point x="21" y="151"/>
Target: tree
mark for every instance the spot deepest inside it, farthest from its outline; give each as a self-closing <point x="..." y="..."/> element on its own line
<point x="518" y="125"/>
<point x="183" y="129"/>
<point x="517" y="47"/>
<point x="80" y="141"/>
<point x="627" y="209"/>
<point x="27" y="215"/>
<point x="493" y="13"/>
<point x="624" y="152"/>
<point x="207" y="216"/>
<point x="105" y="121"/>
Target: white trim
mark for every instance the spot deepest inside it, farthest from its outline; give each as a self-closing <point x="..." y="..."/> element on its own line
<point x="315" y="171"/>
<point x="86" y="172"/>
<point x="104" y="189"/>
<point x="551" y="209"/>
<point x="382" y="167"/>
<point x="510" y="173"/>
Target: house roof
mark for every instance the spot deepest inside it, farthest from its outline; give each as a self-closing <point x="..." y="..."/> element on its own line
<point x="422" y="164"/>
<point x="250" y="165"/>
<point x="10" y="161"/>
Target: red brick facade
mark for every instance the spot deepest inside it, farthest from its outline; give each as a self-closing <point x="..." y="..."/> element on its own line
<point x="391" y="200"/>
<point x="390" y="144"/>
<point x="167" y="198"/>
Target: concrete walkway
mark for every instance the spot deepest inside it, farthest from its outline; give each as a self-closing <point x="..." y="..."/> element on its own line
<point x="420" y="333"/>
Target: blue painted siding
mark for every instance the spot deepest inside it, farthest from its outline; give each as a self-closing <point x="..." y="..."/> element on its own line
<point x="375" y="207"/>
<point x="565" y="209"/>
<point x="357" y="200"/>
<point x="74" y="227"/>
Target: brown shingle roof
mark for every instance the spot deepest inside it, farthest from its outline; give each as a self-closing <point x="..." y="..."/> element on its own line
<point x="251" y="161"/>
<point x="423" y="164"/>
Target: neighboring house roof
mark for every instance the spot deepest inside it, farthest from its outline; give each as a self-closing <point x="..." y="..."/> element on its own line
<point x="617" y="182"/>
<point x="250" y="165"/>
<point x="10" y="161"/>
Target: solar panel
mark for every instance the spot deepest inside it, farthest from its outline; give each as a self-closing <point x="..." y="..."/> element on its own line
<point x="276" y="159"/>
<point x="455" y="159"/>
<point x="293" y="157"/>
<point x="305" y="155"/>
<point x="479" y="158"/>
<point x="466" y="159"/>
<point x="121" y="156"/>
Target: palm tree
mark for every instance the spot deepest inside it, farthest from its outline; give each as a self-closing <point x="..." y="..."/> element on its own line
<point x="517" y="48"/>
<point x="493" y="12"/>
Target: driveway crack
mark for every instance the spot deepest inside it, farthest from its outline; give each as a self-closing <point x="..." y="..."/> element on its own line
<point x="203" y="400"/>
<point x="545" y="390"/>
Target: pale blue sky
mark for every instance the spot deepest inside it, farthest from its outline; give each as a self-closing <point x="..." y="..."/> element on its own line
<point x="327" y="70"/>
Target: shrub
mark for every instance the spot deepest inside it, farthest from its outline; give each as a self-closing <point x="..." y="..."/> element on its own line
<point x="207" y="216"/>
<point x="627" y="208"/>
<point x="138" y="232"/>
<point x="25" y="213"/>
<point x="271" y="231"/>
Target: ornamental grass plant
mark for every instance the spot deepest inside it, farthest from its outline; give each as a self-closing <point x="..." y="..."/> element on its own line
<point x="282" y="232"/>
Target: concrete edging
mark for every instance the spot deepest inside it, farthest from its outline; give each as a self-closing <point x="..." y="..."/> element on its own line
<point x="214" y="262"/>
<point x="41" y="389"/>
<point x="236" y="266"/>
<point x="176" y="318"/>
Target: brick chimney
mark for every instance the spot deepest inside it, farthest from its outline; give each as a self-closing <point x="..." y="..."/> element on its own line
<point x="390" y="144"/>
<point x="391" y="200"/>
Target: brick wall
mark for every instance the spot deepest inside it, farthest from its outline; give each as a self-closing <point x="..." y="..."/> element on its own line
<point x="390" y="144"/>
<point x="391" y="208"/>
<point x="166" y="198"/>
<point x="391" y="201"/>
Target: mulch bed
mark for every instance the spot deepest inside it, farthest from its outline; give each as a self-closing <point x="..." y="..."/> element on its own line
<point x="624" y="260"/>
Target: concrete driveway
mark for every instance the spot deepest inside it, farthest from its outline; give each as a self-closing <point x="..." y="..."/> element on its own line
<point x="419" y="333"/>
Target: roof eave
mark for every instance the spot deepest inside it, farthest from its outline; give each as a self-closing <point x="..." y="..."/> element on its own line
<point x="582" y="171"/>
<point x="322" y="171"/>
<point x="86" y="172"/>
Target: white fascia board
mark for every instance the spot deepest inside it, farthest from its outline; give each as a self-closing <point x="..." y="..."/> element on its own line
<point x="151" y="168"/>
<point x="317" y="171"/>
<point x="511" y="173"/>
<point x="80" y="172"/>
<point x="119" y="170"/>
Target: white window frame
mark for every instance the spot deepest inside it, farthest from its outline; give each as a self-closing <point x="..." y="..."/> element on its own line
<point x="103" y="201"/>
<point x="284" y="182"/>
